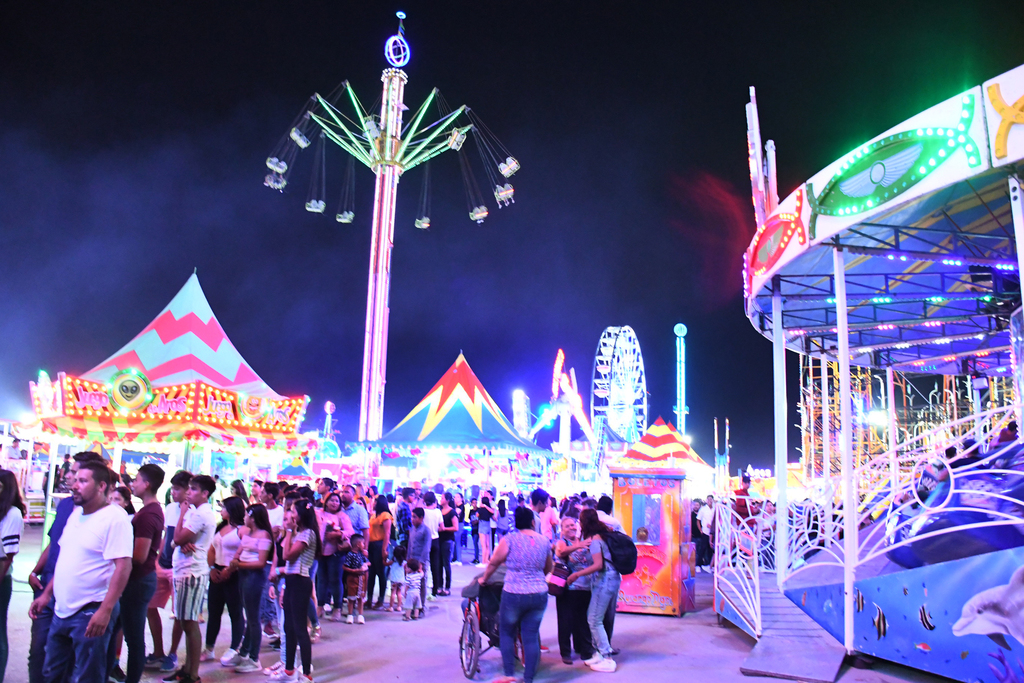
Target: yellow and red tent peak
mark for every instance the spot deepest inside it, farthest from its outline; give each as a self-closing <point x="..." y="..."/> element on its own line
<point x="458" y="410"/>
<point x="185" y="343"/>
<point x="662" y="442"/>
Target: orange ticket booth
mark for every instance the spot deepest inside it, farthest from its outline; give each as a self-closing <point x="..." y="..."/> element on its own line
<point x="653" y="508"/>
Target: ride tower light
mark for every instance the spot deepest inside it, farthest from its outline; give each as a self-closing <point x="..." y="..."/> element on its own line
<point x="521" y="413"/>
<point x="681" y="409"/>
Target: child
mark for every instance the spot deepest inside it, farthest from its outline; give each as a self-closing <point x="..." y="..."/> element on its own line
<point x="413" y="582"/>
<point x="356" y="569"/>
<point x="396" y="575"/>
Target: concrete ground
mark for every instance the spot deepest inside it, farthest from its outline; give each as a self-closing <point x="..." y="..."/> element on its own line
<point x="654" y="649"/>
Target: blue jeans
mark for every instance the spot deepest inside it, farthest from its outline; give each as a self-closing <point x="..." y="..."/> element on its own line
<point x="5" y="602"/>
<point x="254" y="587"/>
<point x="37" y="646"/>
<point x="604" y="594"/>
<point x="67" y="639"/>
<point x="522" y="613"/>
<point x="134" y="604"/>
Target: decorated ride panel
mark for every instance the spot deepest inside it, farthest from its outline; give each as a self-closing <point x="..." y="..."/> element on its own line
<point x="653" y="508"/>
<point x="961" y="619"/>
<point x="955" y="140"/>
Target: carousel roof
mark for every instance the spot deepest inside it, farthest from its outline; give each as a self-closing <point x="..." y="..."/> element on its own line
<point x="459" y="413"/>
<point x="661" y="443"/>
<point x="186" y="343"/>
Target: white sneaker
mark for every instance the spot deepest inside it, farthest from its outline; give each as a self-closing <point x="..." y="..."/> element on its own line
<point x="360" y="620"/>
<point x="349" y="619"/>
<point x="594" y="660"/>
<point x="282" y="676"/>
<point x="605" y="666"/>
<point x="231" y="658"/>
<point x="206" y="655"/>
<point x="247" y="666"/>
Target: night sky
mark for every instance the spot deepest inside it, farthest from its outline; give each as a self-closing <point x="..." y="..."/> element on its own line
<point x="133" y="138"/>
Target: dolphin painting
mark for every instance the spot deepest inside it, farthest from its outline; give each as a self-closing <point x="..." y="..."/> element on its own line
<point x="997" y="612"/>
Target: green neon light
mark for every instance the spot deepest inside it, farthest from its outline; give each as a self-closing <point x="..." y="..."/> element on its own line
<point x="880" y="172"/>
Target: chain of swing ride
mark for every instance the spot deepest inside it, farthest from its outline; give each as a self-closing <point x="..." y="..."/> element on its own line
<point x="498" y="163"/>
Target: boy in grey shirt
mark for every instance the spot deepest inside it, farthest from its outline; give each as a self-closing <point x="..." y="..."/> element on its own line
<point x="419" y="546"/>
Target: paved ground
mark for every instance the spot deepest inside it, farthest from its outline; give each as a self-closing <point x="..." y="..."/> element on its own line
<point x="654" y="649"/>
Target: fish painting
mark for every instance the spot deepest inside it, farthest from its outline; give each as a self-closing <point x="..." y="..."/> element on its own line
<point x="906" y="591"/>
<point x="859" y="600"/>
<point x="996" y="612"/>
<point x="923" y="647"/>
<point x="926" y="618"/>
<point x="803" y="600"/>
<point x="879" y="622"/>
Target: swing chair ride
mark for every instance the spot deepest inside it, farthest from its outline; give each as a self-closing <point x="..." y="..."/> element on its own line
<point x="389" y="149"/>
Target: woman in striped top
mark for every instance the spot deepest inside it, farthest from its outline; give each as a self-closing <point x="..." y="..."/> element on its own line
<point x="300" y="548"/>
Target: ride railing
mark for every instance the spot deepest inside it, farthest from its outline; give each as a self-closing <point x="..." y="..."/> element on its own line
<point x="894" y="506"/>
<point x="737" y="564"/>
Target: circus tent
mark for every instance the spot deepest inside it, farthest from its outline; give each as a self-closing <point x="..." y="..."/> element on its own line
<point x="458" y="421"/>
<point x="663" y="447"/>
<point x="179" y="382"/>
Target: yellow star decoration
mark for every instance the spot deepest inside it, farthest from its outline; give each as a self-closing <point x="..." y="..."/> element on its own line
<point x="1010" y="114"/>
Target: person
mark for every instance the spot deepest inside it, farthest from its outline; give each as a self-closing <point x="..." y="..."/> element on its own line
<point x="335" y="530"/>
<point x="484" y="515"/>
<point x="527" y="558"/>
<point x="396" y="575"/>
<point x="324" y="488"/>
<point x="403" y="516"/>
<point x="432" y="520"/>
<point x="43" y="572"/>
<point x="92" y="569"/>
<point x="238" y="490"/>
<point x="502" y="521"/>
<point x="743" y="505"/>
<point x="546" y="519"/>
<point x="604" y="514"/>
<point x="356" y="512"/>
<point x="256" y="492"/>
<point x="224" y="586"/>
<point x="474" y="529"/>
<point x="120" y="495"/>
<point x="355" y="567"/>
<point x="380" y="535"/>
<point x="571" y="605"/>
<point x="706" y="517"/>
<point x="165" y="580"/>
<point x="275" y="513"/>
<point x="445" y="541"/>
<point x="12" y="520"/>
<point x="255" y="547"/>
<point x="193" y="535"/>
<point x="419" y="549"/>
<point x="604" y="589"/>
<point x="300" y="547"/>
<point x="460" y="531"/>
<point x="414" y="588"/>
<point x="147" y="530"/>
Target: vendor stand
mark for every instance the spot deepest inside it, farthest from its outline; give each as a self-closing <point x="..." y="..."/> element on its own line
<point x="649" y="489"/>
<point x="179" y="394"/>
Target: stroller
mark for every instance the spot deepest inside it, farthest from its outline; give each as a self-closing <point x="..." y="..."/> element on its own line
<point x="480" y="607"/>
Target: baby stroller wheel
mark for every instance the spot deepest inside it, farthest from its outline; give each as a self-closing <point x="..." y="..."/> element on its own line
<point x="469" y="643"/>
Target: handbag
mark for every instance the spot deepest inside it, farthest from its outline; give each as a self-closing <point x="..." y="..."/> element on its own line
<point x="556" y="579"/>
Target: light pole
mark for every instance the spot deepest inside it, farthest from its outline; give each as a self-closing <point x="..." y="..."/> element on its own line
<point x="381" y="144"/>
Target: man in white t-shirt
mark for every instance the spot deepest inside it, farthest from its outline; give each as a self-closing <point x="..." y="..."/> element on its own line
<point x="546" y="520"/>
<point x="604" y="514"/>
<point x="192" y="538"/>
<point x="92" y="570"/>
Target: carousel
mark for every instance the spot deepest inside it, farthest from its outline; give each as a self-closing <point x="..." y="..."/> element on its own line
<point x="179" y="395"/>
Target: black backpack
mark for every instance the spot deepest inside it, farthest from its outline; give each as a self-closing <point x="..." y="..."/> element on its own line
<point x="623" y="552"/>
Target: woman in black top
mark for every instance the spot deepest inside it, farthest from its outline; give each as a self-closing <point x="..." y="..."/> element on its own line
<point x="484" y="514"/>
<point x="446" y="538"/>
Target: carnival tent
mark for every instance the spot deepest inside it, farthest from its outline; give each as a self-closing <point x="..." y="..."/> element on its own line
<point x="663" y="447"/>
<point x="180" y="379"/>
<point x="458" y="415"/>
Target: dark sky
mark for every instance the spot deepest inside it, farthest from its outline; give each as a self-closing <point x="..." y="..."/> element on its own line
<point x="134" y="135"/>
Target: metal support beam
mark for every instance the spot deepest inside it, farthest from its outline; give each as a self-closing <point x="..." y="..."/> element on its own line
<point x="846" y="451"/>
<point x="781" y="442"/>
<point x="1017" y="211"/>
<point x="890" y="402"/>
<point x="826" y="448"/>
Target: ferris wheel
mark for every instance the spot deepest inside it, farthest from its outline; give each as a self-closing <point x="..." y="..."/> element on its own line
<point x="618" y="396"/>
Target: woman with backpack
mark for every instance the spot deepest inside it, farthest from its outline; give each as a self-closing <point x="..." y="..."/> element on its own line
<point x="604" y="588"/>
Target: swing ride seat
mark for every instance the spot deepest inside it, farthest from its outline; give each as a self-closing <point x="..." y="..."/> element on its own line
<point x="345" y="217"/>
<point x="503" y="194"/>
<point x="301" y="140"/>
<point x="423" y="223"/>
<point x="274" y="181"/>
<point x="316" y="205"/>
<point x="456" y="140"/>
<point x="508" y="167"/>
<point x="276" y="165"/>
<point x="478" y="214"/>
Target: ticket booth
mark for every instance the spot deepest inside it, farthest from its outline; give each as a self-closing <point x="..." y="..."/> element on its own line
<point x="652" y="505"/>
